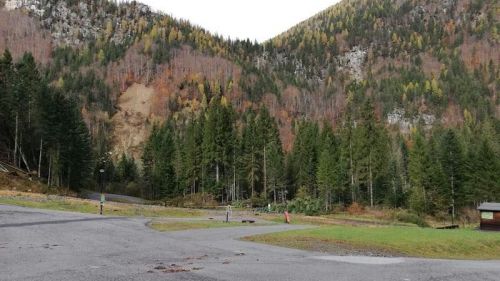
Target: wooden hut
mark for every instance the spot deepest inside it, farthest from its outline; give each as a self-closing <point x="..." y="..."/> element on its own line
<point x="490" y="216"/>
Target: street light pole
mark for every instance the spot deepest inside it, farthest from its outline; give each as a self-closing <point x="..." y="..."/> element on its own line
<point x="101" y="173"/>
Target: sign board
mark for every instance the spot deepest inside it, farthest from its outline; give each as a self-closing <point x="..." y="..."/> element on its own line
<point x="487" y="215"/>
<point x="103" y="198"/>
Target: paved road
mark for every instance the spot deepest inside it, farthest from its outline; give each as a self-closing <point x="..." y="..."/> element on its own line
<point x="113" y="197"/>
<point x="49" y="245"/>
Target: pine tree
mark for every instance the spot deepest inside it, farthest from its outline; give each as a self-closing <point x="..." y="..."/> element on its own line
<point x="251" y="153"/>
<point x="305" y="156"/>
<point x="371" y="150"/>
<point x="482" y="180"/>
<point x="218" y="138"/>
<point x="328" y="176"/>
<point x="193" y="154"/>
<point x="417" y="168"/>
<point x="453" y="165"/>
<point x="158" y="159"/>
<point x="6" y="98"/>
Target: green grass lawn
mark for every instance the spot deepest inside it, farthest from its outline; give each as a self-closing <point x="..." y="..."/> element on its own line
<point x="406" y="241"/>
<point x="186" y="225"/>
<point x="334" y="219"/>
<point x="71" y="204"/>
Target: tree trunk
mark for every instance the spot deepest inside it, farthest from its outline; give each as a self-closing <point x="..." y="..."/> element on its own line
<point x="253" y="176"/>
<point x="371" y="180"/>
<point x="265" y="174"/>
<point x="326" y="201"/>
<point x="202" y="181"/>
<point x="234" y="175"/>
<point x="217" y="172"/>
<point x="40" y="158"/>
<point x="24" y="160"/>
<point x="352" y="172"/>
<point x="274" y="193"/>
<point x="50" y="170"/>
<point x="452" y="199"/>
<point x="15" y="139"/>
<point x="234" y="183"/>
<point x="69" y="177"/>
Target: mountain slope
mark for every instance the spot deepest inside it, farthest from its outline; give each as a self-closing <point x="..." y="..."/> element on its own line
<point x="417" y="43"/>
<point x="420" y="61"/>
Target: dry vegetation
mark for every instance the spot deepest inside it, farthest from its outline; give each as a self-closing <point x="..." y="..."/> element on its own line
<point x="20" y="33"/>
<point x="72" y="204"/>
<point x="16" y="183"/>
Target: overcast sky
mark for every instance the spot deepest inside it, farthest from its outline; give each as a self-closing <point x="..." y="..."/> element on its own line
<point x="254" y="19"/>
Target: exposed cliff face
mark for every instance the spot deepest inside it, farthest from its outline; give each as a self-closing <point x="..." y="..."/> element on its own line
<point x="78" y="23"/>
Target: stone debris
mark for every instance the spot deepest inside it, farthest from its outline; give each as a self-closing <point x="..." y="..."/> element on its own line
<point x="398" y="118"/>
<point x="73" y="25"/>
<point x="353" y="62"/>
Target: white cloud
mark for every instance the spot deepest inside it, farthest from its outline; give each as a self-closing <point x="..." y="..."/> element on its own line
<point x="254" y="19"/>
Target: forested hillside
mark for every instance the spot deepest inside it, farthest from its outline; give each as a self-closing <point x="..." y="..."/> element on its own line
<point x="373" y="101"/>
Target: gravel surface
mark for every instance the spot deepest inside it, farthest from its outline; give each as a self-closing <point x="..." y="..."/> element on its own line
<point x="50" y="245"/>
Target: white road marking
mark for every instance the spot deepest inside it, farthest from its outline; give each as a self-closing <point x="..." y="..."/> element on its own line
<point x="361" y="259"/>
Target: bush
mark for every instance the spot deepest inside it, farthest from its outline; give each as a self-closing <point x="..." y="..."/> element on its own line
<point x="196" y="200"/>
<point x="133" y="189"/>
<point x="278" y="208"/>
<point x="407" y="217"/>
<point x="307" y="206"/>
<point x="355" y="209"/>
<point x="258" y="201"/>
<point x="241" y="204"/>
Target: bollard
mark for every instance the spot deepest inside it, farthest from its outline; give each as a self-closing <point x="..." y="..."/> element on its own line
<point x="287" y="217"/>
<point x="228" y="212"/>
<point x="101" y="204"/>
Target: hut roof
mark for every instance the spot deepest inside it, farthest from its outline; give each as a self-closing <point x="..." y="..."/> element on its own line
<point x="489" y="207"/>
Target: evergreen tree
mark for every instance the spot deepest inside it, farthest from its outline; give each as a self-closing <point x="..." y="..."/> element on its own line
<point x="218" y="137"/>
<point x="158" y="158"/>
<point x="453" y="165"/>
<point x="193" y="154"/>
<point x="417" y="168"/>
<point x="371" y="150"/>
<point x="328" y="172"/>
<point x="126" y="169"/>
<point x="251" y="153"/>
<point x="305" y="156"/>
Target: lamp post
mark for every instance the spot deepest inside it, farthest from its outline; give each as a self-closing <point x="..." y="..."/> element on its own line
<point x="101" y="175"/>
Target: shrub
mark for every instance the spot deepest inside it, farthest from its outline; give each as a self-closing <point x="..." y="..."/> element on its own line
<point x="307" y="206"/>
<point x="278" y="208"/>
<point x="407" y="217"/>
<point x="355" y="209"/>
<point x="196" y="200"/>
<point x="133" y="189"/>
<point x="258" y="201"/>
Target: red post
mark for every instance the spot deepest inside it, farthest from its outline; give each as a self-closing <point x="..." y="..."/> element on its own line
<point x="287" y="217"/>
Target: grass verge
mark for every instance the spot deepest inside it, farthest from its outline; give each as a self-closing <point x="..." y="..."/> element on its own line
<point x="61" y="203"/>
<point x="334" y="219"/>
<point x="404" y="241"/>
<point x="186" y="225"/>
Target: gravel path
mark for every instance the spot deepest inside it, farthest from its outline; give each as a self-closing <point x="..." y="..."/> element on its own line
<point x="49" y="245"/>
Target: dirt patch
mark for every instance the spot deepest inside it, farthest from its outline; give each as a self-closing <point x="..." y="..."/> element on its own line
<point x="130" y="123"/>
